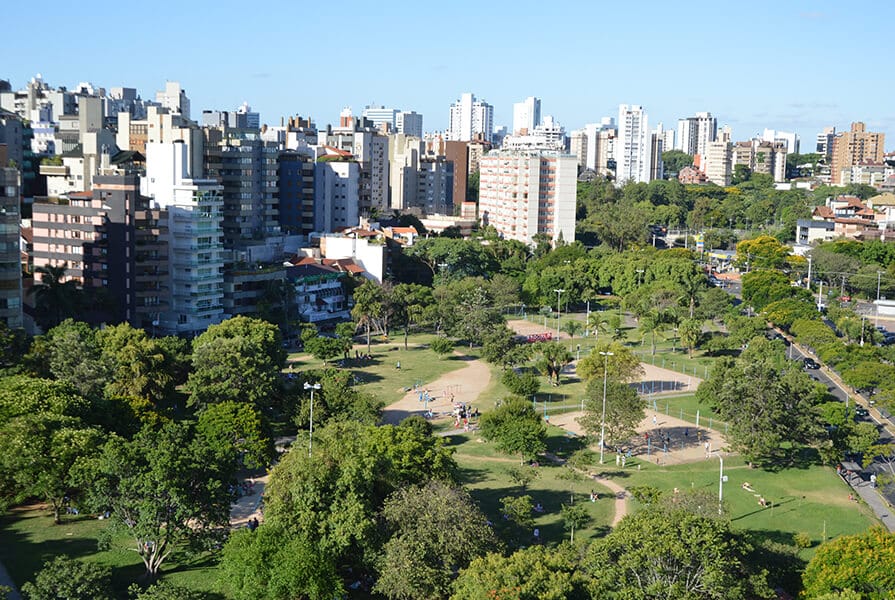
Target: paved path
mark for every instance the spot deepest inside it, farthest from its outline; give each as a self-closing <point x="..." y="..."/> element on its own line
<point x="6" y="580"/>
<point x="875" y="501"/>
<point x="621" y="498"/>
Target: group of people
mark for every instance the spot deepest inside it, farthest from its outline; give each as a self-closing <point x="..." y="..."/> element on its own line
<point x="252" y="525"/>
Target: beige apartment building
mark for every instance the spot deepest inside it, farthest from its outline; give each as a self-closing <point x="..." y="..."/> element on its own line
<point x="855" y="147"/>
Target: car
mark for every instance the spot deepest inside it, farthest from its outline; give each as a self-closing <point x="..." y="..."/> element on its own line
<point x="810" y="363"/>
<point x="860" y="411"/>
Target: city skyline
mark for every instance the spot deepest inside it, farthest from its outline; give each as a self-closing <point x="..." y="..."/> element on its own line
<point x="752" y="67"/>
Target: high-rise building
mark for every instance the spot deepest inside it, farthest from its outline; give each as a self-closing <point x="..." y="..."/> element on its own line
<point x="854" y="147"/>
<point x="458" y="153"/>
<point x="526" y="115"/>
<point x="633" y="148"/>
<point x="370" y="148"/>
<point x="470" y="119"/>
<point x="296" y="191"/>
<point x="695" y="133"/>
<point x="825" y="142"/>
<point x="578" y="146"/>
<point x="174" y="98"/>
<point x="246" y="167"/>
<point x="194" y="236"/>
<point x="409" y="123"/>
<point x="336" y="193"/>
<point x="385" y="119"/>
<point x="405" y="153"/>
<point x="434" y="192"/>
<point x="10" y="255"/>
<point x="657" y="165"/>
<point x="524" y="193"/>
<point x="791" y="140"/>
<point x="716" y="163"/>
<point x="759" y="156"/>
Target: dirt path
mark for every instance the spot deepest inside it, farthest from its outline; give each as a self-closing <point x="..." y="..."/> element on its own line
<point x="657" y="380"/>
<point x="463" y="385"/>
<point x="249" y="506"/>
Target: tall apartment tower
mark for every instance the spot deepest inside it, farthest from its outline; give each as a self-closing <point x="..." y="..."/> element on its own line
<point x="194" y="236"/>
<point x="381" y="117"/>
<point x="10" y="255"/>
<point x="854" y="147"/>
<point x="409" y="123"/>
<point x="825" y="142"/>
<point x="695" y="133"/>
<point x="717" y="163"/>
<point x="526" y="116"/>
<point x="458" y="153"/>
<point x="525" y="193"/>
<point x="470" y="119"/>
<point x="246" y="166"/>
<point x="633" y="149"/>
<point x="578" y="146"/>
<point x="657" y="144"/>
<point x="296" y="186"/>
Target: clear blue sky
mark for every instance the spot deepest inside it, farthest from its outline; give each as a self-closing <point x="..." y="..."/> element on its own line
<point x="783" y="64"/>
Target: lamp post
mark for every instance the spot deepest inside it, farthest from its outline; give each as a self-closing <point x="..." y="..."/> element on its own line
<point x="606" y="356"/>
<point x="876" y="320"/>
<point x="720" y="482"/>
<point x="558" y="311"/>
<point x="640" y="273"/>
<point x="312" y="387"/>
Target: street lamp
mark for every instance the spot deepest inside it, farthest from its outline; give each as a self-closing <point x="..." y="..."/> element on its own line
<point x="603" y="418"/>
<point x="312" y="387"/>
<point x="558" y="311"/>
<point x="640" y="273"/>
<point x="720" y="482"/>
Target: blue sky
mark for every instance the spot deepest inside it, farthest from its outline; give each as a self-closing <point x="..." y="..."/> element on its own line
<point x="784" y="64"/>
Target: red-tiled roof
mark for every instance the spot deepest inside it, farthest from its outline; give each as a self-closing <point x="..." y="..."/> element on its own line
<point x="824" y="212"/>
<point x="405" y="230"/>
<point x="81" y="195"/>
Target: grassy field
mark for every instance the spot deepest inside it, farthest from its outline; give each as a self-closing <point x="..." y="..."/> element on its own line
<point x="28" y="538"/>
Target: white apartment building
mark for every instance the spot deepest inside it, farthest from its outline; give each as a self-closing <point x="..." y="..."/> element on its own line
<point x="633" y="148"/>
<point x="695" y="133"/>
<point x="600" y="145"/>
<point x="791" y="140"/>
<point x="717" y="163"/>
<point x="336" y="194"/>
<point x="380" y="115"/>
<point x="522" y="194"/>
<point x="526" y="115"/>
<point x="173" y="97"/>
<point x="470" y="119"/>
<point x="194" y="237"/>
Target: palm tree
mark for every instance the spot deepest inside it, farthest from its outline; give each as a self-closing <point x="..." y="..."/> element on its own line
<point x="651" y="323"/>
<point x="55" y="299"/>
<point x="598" y="321"/>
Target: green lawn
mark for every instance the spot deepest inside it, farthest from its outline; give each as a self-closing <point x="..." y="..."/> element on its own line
<point x="484" y="474"/>
<point x="28" y="538"/>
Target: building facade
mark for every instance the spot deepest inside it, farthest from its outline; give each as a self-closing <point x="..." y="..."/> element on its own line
<point x="470" y="119"/>
<point x="522" y="194"/>
<point x="10" y="255"/>
<point x="854" y="147"/>
<point x="633" y="148"/>
<point x="526" y="116"/>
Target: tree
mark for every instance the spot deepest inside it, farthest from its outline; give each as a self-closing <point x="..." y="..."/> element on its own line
<point x="38" y="452"/>
<point x="409" y="300"/>
<point x="56" y="298"/>
<point x="534" y="573"/>
<point x="572" y="328"/>
<point x="652" y="323"/>
<point x="165" y="591"/>
<point x="675" y="160"/>
<point x="66" y="579"/>
<point x="625" y="409"/>
<point x="553" y="359"/>
<point x="690" y="330"/>
<point x="239" y="360"/>
<point x="574" y="516"/>
<point x="845" y="564"/>
<point x="765" y="399"/>
<point x="325" y="348"/>
<point x="367" y="307"/>
<point x="271" y="563"/>
<point x="524" y="385"/>
<point x="515" y="428"/>
<point x="141" y="367"/>
<point x="75" y="356"/>
<point x="518" y="509"/>
<point x="660" y="553"/>
<point x="523" y="475"/>
<point x="435" y="530"/>
<point x="237" y="434"/>
<point x="164" y="488"/>
<point x="442" y="346"/>
<point x="763" y="252"/>
<point x="623" y="365"/>
<point x="498" y="345"/>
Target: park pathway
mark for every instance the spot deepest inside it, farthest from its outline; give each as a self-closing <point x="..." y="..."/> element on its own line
<point x="876" y="502"/>
<point x="6" y="580"/>
<point x="621" y="497"/>
<point x="463" y="385"/>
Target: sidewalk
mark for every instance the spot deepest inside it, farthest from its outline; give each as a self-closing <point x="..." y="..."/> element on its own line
<point x="876" y="502"/>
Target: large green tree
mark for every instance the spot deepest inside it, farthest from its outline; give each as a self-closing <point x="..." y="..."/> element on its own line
<point x="515" y="428"/>
<point x="57" y="297"/>
<point x="659" y="553"/>
<point x="239" y="360"/>
<point x="64" y="578"/>
<point x="863" y="563"/>
<point x="625" y="409"/>
<point x="164" y="488"/>
<point x="434" y="530"/>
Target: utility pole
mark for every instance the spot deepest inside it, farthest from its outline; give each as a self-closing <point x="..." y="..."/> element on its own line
<point x="820" y="291"/>
<point x="558" y="311"/>
<point x="876" y="319"/>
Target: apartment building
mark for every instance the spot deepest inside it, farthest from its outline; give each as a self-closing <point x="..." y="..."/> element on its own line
<point x="633" y="148"/>
<point x="522" y="194"/>
<point x="470" y="119"/>
<point x="10" y="255"/>
<point x="855" y="147"/>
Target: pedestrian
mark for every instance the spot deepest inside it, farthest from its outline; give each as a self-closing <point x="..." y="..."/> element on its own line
<point x="398" y="365"/>
<point x="707" y="448"/>
<point x="654" y="419"/>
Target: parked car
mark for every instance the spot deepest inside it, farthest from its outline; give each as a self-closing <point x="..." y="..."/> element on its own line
<point x="810" y="363"/>
<point x="860" y="411"/>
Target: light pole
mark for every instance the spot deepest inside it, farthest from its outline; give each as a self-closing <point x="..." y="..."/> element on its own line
<point x="312" y="387"/>
<point x="606" y="356"/>
<point x="558" y="311"/>
<point x="640" y="273"/>
<point x="876" y="319"/>
<point x="720" y="483"/>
